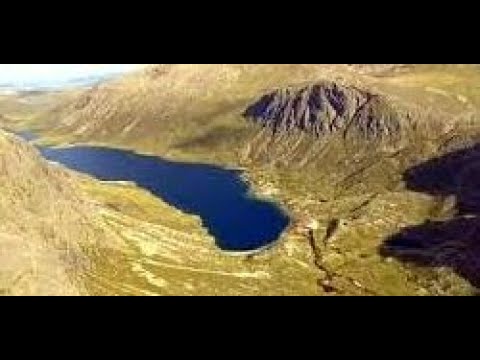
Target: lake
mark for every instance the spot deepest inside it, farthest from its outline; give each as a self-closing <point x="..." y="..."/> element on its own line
<point x="238" y="220"/>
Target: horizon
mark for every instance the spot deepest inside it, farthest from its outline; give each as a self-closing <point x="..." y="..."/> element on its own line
<point x="18" y="76"/>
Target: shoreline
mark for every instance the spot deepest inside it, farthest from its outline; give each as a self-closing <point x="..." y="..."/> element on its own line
<point x="31" y="136"/>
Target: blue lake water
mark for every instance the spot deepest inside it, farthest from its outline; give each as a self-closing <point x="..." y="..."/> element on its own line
<point x="237" y="220"/>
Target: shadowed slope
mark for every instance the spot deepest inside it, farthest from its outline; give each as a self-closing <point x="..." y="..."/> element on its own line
<point x="445" y="241"/>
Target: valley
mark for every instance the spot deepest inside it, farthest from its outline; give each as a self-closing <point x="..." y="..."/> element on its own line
<point x="238" y="219"/>
<point x="64" y="233"/>
<point x="331" y="144"/>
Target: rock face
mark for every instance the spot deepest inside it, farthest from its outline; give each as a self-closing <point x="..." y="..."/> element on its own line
<point x="327" y="108"/>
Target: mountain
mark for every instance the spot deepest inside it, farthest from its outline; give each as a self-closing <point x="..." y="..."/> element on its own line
<point x="326" y="108"/>
<point x="174" y="102"/>
<point x="169" y="108"/>
<point x="333" y="142"/>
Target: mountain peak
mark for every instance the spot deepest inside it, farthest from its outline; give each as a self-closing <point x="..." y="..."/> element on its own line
<point x="326" y="108"/>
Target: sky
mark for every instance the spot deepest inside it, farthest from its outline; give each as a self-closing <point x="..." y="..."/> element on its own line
<point x="32" y="75"/>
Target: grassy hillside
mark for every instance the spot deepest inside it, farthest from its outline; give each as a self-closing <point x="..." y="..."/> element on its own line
<point x="178" y="106"/>
<point x="354" y="192"/>
<point x="195" y="110"/>
<point x="66" y="234"/>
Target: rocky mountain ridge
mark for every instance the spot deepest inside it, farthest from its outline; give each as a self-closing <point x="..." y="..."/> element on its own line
<point x="328" y="108"/>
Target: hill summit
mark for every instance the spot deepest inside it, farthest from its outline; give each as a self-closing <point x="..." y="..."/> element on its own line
<point x="326" y="108"/>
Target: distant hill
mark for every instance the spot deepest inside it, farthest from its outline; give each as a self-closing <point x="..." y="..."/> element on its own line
<point x="57" y="85"/>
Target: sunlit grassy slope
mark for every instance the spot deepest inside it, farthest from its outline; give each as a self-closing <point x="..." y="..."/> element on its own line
<point x="194" y="112"/>
<point x="66" y="234"/>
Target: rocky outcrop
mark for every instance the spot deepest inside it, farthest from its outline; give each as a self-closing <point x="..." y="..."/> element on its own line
<point x="328" y="108"/>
